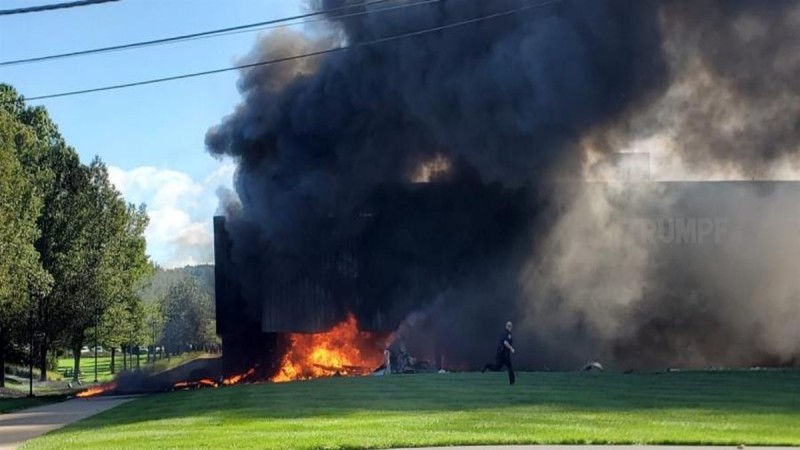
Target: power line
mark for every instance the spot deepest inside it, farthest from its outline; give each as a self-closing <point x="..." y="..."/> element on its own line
<point x="202" y="34"/>
<point x="305" y="21"/>
<point x="51" y="7"/>
<point x="296" y="57"/>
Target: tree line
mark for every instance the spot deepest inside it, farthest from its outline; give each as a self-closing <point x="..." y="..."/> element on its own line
<point x="184" y="300"/>
<point x="73" y="258"/>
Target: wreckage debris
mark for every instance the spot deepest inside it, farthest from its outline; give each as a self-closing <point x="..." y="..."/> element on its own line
<point x="593" y="366"/>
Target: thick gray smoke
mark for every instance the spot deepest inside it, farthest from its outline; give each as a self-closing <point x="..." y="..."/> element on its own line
<point x="733" y="105"/>
<point x="486" y="118"/>
<point x="659" y="274"/>
<point x="661" y="297"/>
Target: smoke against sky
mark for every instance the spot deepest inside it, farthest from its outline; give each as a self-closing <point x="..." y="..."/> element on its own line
<point x="179" y="232"/>
<point x="732" y="110"/>
<point x="499" y="114"/>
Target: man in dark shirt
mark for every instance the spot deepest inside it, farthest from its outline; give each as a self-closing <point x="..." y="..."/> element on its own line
<point x="505" y="348"/>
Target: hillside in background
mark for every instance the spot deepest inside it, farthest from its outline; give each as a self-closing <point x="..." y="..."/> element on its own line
<point x="157" y="287"/>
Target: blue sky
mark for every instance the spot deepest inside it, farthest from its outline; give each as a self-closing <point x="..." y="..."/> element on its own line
<point x="151" y="136"/>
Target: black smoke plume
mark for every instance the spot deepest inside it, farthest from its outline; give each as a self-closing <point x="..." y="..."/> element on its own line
<point x="426" y="174"/>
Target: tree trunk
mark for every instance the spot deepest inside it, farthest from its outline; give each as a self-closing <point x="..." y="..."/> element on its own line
<point x="138" y="352"/>
<point x="43" y="359"/>
<point x="2" y="358"/>
<point x="76" y="368"/>
<point x="113" y="351"/>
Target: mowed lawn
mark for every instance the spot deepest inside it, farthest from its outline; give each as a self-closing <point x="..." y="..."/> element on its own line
<point x="746" y="407"/>
<point x="65" y="365"/>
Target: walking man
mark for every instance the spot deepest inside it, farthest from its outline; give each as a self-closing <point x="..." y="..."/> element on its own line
<point x="503" y="357"/>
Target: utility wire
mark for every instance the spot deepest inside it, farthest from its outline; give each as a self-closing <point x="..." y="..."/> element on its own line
<point x="299" y="22"/>
<point x="296" y="57"/>
<point x="30" y="9"/>
<point x="202" y="34"/>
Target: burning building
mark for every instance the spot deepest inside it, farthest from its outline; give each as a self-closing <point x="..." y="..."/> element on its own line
<point x="358" y="279"/>
<point x="435" y="173"/>
<point x="691" y="236"/>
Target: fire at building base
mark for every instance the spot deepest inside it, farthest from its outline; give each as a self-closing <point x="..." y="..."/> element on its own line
<point x="321" y="323"/>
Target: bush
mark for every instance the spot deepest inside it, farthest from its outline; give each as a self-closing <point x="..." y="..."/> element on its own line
<point x="20" y="371"/>
<point x="23" y="372"/>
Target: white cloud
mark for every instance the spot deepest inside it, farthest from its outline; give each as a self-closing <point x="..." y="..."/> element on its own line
<point x="180" y="209"/>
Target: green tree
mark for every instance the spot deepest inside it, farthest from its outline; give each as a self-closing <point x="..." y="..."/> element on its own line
<point x="20" y="206"/>
<point x="89" y="241"/>
<point x="79" y="300"/>
<point x="156" y="289"/>
<point x="62" y="248"/>
<point x="137" y="331"/>
<point x="112" y="259"/>
<point x="113" y="329"/>
<point x="122" y="324"/>
<point x="61" y="182"/>
<point x="154" y="327"/>
<point x="188" y="316"/>
<point x="127" y="266"/>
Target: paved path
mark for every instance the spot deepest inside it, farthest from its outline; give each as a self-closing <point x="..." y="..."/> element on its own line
<point x="18" y="427"/>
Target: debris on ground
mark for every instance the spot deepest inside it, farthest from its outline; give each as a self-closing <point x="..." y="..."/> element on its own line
<point x="593" y="366"/>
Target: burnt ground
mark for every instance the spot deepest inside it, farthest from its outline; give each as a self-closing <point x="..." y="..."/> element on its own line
<point x="128" y="383"/>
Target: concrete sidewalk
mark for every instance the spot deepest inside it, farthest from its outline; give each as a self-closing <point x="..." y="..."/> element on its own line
<point x="19" y="426"/>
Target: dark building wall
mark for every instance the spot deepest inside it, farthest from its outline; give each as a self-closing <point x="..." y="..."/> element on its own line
<point x="244" y="344"/>
<point x="222" y="281"/>
<point x="403" y="253"/>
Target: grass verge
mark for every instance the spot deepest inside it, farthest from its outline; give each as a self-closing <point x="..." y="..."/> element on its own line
<point x="8" y="405"/>
<point x="65" y="365"/>
<point x="746" y="407"/>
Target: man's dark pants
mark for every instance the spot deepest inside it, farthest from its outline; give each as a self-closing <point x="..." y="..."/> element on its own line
<point x="502" y="359"/>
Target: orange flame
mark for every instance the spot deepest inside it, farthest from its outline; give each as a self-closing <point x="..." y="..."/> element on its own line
<point x="237" y="378"/>
<point x="343" y="351"/>
<point x="97" y="390"/>
<point x="207" y="382"/>
<point x="201" y="383"/>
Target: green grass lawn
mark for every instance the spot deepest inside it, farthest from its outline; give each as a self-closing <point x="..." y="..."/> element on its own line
<point x="65" y="365"/>
<point x="59" y="388"/>
<point x="13" y="404"/>
<point x="747" y="407"/>
<point x="174" y="361"/>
